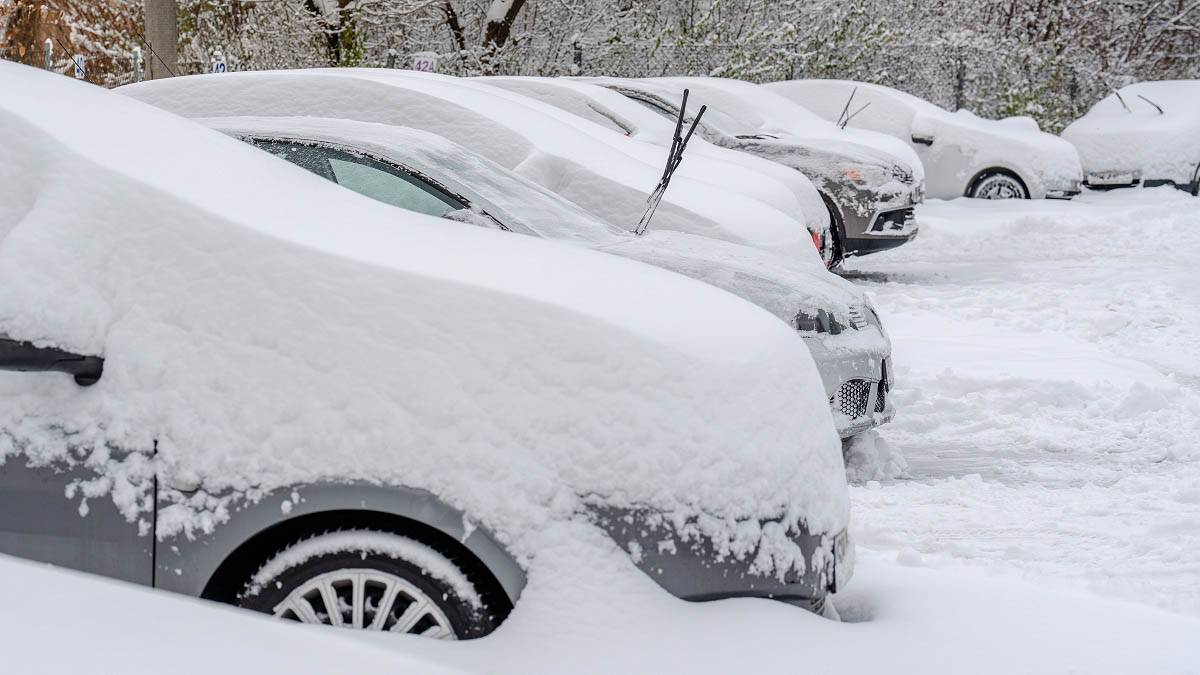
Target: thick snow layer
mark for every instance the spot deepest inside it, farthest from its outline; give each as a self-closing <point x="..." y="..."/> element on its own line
<point x="608" y="108"/>
<point x="1135" y="136"/>
<point x="783" y="286"/>
<point x="268" y="327"/>
<point x="55" y="622"/>
<point x="963" y="144"/>
<point x="601" y="170"/>
<point x="1048" y="388"/>
<point x="744" y="109"/>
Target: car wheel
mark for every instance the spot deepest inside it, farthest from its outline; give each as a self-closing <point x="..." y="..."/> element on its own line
<point x="369" y="580"/>
<point x="832" y="253"/>
<point x="998" y="184"/>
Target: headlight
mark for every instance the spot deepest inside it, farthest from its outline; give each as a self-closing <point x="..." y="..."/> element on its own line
<point x="866" y="175"/>
<point x="819" y="321"/>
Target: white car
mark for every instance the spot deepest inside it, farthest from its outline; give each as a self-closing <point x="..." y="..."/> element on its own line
<point x="622" y="115"/>
<point x="1147" y="133"/>
<point x="226" y="377"/>
<point x="606" y="173"/>
<point x="964" y="155"/>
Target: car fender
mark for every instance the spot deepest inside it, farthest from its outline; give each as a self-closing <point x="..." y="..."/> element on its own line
<point x="188" y="564"/>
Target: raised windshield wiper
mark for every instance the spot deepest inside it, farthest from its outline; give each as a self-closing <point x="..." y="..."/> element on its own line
<point x="1156" y="106"/>
<point x="846" y="109"/>
<point x="674" y="158"/>
<point x="855" y="114"/>
<point x="1122" y="100"/>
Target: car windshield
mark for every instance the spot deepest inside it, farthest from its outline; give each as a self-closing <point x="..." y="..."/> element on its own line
<point x="366" y="176"/>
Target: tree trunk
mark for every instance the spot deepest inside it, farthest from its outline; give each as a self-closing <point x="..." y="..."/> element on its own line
<point x="500" y="17"/>
<point x="162" y="36"/>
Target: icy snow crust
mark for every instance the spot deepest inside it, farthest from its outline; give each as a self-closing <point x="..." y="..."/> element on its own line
<point x="268" y="328"/>
<point x="783" y="286"/>
<point x="1161" y="146"/>
<point x="599" y="169"/>
<point x="1043" y="161"/>
<point x="704" y="160"/>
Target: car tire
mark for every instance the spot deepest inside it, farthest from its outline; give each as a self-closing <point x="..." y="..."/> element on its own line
<point x="377" y="580"/>
<point x="997" y="184"/>
<point x="834" y="253"/>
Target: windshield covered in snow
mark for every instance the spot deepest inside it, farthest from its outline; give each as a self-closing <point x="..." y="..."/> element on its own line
<point x="445" y="170"/>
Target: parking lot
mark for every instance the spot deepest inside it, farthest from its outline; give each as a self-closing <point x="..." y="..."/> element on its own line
<point x="1049" y="393"/>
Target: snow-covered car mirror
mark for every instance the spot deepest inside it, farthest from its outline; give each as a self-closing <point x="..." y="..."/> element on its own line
<point x="922" y="130"/>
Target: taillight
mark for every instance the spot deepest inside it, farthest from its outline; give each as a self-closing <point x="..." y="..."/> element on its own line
<point x="816" y="237"/>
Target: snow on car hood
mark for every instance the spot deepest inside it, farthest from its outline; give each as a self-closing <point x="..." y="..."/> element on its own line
<point x="1015" y="143"/>
<point x="1159" y="146"/>
<point x="521" y="134"/>
<point x="741" y="109"/>
<point x="782" y="286"/>
<point x="798" y="196"/>
<point x="263" y="327"/>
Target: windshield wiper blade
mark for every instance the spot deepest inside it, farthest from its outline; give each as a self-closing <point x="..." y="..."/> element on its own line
<point x="1156" y="106"/>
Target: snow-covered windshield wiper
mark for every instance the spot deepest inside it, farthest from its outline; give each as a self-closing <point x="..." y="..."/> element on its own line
<point x="674" y="158"/>
<point x="1156" y="106"/>
<point x="757" y="137"/>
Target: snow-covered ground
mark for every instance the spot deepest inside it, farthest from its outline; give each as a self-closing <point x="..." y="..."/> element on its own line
<point x="1048" y="366"/>
<point x="1034" y="508"/>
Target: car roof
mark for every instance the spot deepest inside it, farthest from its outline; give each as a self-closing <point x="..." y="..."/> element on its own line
<point x="595" y="167"/>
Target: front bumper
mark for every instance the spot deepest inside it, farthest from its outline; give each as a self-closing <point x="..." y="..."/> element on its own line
<point x="689" y="566"/>
<point x="856" y="373"/>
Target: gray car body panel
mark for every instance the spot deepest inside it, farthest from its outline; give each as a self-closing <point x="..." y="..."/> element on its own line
<point x="188" y="565"/>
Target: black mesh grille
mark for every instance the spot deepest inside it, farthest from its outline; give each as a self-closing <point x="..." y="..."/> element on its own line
<point x="852" y="398"/>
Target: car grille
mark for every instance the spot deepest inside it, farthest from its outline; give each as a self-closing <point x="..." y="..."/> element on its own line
<point x="852" y="398"/>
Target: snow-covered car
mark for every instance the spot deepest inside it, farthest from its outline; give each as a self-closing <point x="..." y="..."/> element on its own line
<point x="226" y="377"/>
<point x="963" y="155"/>
<point x="618" y="113"/>
<point x="606" y="173"/>
<point x="869" y="182"/>
<point x="426" y="173"/>
<point x="1146" y="133"/>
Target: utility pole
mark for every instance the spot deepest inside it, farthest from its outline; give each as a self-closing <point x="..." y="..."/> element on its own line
<point x="162" y="34"/>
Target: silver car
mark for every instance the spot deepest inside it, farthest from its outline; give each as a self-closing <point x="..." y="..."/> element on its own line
<point x="426" y="173"/>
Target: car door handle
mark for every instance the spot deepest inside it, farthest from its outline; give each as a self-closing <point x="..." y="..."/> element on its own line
<point x="27" y="357"/>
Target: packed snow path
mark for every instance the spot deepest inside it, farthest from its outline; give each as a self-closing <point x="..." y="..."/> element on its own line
<point x="1048" y="388"/>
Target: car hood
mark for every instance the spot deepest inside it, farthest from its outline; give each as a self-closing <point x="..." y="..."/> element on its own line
<point x="1158" y="145"/>
<point x="781" y="286"/>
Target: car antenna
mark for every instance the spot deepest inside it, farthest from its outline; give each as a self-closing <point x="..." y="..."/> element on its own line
<point x="855" y="114"/>
<point x="1156" y="106"/>
<point x="679" y="143"/>
<point x="1122" y="100"/>
<point x="846" y="108"/>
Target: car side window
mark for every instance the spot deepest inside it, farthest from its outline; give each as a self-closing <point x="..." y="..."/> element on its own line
<point x="367" y="176"/>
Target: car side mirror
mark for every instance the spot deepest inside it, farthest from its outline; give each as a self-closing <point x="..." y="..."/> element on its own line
<point x="26" y="357"/>
<point x="922" y="129"/>
<point x="922" y="140"/>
